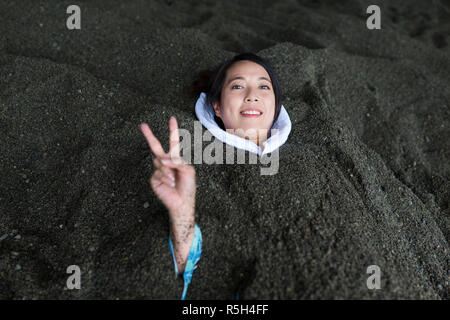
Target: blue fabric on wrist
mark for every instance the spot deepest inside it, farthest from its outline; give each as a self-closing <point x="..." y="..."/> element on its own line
<point x="193" y="258"/>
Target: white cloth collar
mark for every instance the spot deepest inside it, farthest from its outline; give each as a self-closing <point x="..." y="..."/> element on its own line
<point x="205" y="113"/>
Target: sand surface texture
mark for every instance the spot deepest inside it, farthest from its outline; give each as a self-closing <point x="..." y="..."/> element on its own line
<point x="363" y="178"/>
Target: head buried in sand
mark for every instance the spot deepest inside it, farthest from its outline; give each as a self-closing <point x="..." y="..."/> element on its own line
<point x="246" y="97"/>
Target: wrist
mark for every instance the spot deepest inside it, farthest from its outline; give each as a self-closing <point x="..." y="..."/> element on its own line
<point x="184" y="213"/>
<point x="182" y="221"/>
<point x="182" y="236"/>
<point x="182" y="228"/>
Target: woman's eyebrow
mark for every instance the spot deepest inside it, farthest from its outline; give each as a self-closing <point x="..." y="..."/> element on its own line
<point x="242" y="78"/>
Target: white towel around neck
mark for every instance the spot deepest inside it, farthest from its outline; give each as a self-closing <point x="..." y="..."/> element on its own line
<point x="205" y="113"/>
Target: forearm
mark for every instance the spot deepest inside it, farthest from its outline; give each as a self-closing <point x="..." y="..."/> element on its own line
<point x="182" y="234"/>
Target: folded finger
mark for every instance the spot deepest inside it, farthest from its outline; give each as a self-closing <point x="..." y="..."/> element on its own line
<point x="168" y="172"/>
<point x="160" y="177"/>
<point x="168" y="181"/>
<point x="158" y="174"/>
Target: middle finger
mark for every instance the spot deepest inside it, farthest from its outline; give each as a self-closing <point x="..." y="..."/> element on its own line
<point x="174" y="138"/>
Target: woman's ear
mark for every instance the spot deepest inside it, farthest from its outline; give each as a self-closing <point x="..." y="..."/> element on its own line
<point x="216" y="107"/>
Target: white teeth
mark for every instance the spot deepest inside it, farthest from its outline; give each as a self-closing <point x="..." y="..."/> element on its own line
<point x="251" y="112"/>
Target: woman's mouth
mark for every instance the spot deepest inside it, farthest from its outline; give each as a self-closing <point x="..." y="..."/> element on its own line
<point x="251" y="113"/>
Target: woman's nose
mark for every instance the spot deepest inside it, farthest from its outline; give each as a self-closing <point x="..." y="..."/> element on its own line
<point x="251" y="97"/>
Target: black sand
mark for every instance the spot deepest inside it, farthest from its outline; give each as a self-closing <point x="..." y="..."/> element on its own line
<point x="363" y="177"/>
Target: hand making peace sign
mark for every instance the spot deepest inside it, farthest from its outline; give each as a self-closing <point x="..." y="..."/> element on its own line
<point x="173" y="180"/>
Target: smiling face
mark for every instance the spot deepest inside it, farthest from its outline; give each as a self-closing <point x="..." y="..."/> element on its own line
<point x="247" y="101"/>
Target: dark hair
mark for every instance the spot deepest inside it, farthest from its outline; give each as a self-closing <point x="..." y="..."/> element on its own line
<point x="216" y="82"/>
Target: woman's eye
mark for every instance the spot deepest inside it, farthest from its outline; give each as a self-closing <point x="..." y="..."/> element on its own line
<point x="237" y="86"/>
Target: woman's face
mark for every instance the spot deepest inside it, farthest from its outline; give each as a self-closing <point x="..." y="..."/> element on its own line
<point x="247" y="88"/>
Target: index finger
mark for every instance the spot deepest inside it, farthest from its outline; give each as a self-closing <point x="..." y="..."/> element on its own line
<point x="174" y="138"/>
<point x="153" y="142"/>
